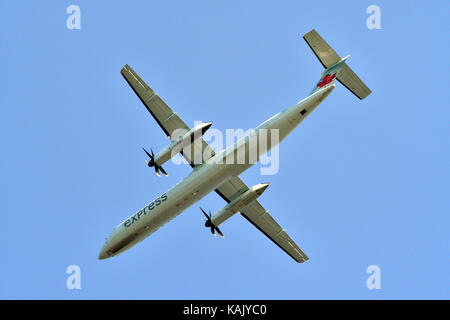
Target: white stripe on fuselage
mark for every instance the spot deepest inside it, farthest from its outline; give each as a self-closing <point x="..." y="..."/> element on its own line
<point x="202" y="181"/>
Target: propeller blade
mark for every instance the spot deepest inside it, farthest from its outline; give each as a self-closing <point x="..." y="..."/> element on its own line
<point x="151" y="157"/>
<point x="219" y="232"/>
<point x="204" y="213"/>
<point x="152" y="163"/>
<point x="163" y="171"/>
<point x="210" y="225"/>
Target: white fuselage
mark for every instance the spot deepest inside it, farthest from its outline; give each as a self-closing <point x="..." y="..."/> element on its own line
<point x="204" y="179"/>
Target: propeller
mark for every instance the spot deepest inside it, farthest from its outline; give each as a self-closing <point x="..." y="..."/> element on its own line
<point x="152" y="163"/>
<point x="209" y="224"/>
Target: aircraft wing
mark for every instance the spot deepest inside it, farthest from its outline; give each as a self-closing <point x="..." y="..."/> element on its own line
<point x="261" y="219"/>
<point x="167" y="119"/>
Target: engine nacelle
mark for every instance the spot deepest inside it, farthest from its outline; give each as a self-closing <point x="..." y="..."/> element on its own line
<point x="181" y="142"/>
<point x="238" y="203"/>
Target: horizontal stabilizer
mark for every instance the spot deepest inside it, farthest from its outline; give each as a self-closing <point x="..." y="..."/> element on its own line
<point x="321" y="49"/>
<point x="352" y="82"/>
<point x="328" y="57"/>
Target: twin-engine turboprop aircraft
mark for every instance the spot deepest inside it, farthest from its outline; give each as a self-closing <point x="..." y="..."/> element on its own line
<point x="211" y="170"/>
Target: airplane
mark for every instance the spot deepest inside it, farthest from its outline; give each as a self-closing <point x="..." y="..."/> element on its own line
<point x="209" y="170"/>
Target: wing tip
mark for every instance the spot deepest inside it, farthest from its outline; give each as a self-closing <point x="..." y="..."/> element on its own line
<point x="125" y="68"/>
<point x="304" y="259"/>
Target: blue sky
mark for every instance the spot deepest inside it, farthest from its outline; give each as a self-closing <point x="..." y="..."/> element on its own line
<point x="360" y="182"/>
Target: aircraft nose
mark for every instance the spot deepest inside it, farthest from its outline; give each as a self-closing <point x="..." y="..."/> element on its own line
<point x="103" y="253"/>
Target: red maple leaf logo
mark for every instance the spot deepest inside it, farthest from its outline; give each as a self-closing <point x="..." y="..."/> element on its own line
<point x="326" y="80"/>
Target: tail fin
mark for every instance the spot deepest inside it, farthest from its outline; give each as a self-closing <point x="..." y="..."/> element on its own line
<point x="336" y="68"/>
<point x="330" y="74"/>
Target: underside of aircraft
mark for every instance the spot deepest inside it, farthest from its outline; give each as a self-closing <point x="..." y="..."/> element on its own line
<point x="237" y="195"/>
